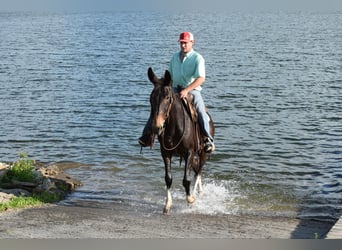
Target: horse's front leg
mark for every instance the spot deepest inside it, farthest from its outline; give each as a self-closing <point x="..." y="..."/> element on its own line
<point x="168" y="182"/>
<point x="187" y="178"/>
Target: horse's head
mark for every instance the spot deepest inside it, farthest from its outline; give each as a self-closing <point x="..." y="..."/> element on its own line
<point x="161" y="99"/>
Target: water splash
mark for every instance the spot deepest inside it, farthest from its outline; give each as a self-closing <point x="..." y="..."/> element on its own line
<point x="218" y="198"/>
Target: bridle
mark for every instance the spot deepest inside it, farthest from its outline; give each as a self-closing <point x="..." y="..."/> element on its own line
<point x="167" y="118"/>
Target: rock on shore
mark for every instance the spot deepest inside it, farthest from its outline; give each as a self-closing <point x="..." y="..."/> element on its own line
<point x="49" y="179"/>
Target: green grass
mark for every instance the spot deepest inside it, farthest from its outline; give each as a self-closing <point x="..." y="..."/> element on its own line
<point x="22" y="170"/>
<point x="35" y="200"/>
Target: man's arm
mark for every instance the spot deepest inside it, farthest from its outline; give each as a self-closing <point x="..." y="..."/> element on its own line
<point x="198" y="81"/>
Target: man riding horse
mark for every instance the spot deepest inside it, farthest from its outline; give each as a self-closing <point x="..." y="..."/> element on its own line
<point x="187" y="69"/>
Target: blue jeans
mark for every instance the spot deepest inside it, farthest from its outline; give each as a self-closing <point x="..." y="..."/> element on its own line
<point x="203" y="117"/>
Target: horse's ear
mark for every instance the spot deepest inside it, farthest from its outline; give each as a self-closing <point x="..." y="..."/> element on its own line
<point x="167" y="77"/>
<point x="152" y="76"/>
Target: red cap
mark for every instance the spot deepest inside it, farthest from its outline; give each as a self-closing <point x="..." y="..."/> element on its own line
<point x="186" y="37"/>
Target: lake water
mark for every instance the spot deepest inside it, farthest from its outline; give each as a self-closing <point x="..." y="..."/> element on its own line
<point x="74" y="90"/>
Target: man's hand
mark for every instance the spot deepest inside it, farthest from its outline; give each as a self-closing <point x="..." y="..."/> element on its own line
<point x="183" y="93"/>
<point x="198" y="81"/>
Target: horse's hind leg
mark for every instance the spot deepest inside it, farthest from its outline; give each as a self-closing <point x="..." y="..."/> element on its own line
<point x="187" y="180"/>
<point x="198" y="184"/>
<point x="198" y="173"/>
<point x="189" y="197"/>
<point x="168" y="182"/>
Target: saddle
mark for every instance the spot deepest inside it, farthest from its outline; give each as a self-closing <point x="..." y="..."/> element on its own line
<point x="189" y="107"/>
<point x="191" y="110"/>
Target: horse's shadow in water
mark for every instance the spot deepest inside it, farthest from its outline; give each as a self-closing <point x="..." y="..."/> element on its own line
<point x="178" y="133"/>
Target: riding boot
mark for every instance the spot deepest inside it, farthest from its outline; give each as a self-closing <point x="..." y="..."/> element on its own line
<point x="209" y="145"/>
<point x="147" y="137"/>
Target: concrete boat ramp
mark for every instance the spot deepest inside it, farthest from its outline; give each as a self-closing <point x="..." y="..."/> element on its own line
<point x="336" y="230"/>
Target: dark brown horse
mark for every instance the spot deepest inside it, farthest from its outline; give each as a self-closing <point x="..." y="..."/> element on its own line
<point x="178" y="134"/>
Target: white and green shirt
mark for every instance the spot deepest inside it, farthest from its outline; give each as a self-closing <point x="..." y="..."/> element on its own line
<point x="185" y="72"/>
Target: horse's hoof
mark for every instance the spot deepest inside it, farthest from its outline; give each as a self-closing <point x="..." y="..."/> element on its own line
<point x="200" y="194"/>
<point x="166" y="211"/>
<point x="190" y="199"/>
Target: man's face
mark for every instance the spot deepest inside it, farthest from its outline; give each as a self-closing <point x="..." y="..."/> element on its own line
<point x="186" y="46"/>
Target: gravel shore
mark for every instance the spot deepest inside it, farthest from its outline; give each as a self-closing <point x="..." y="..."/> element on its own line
<point x="82" y="219"/>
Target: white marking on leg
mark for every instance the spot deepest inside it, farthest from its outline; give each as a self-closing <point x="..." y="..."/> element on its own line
<point x="195" y="186"/>
<point x="168" y="202"/>
<point x="200" y="187"/>
<point x="198" y="184"/>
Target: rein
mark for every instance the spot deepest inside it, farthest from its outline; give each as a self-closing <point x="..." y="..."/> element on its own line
<point x="168" y="117"/>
